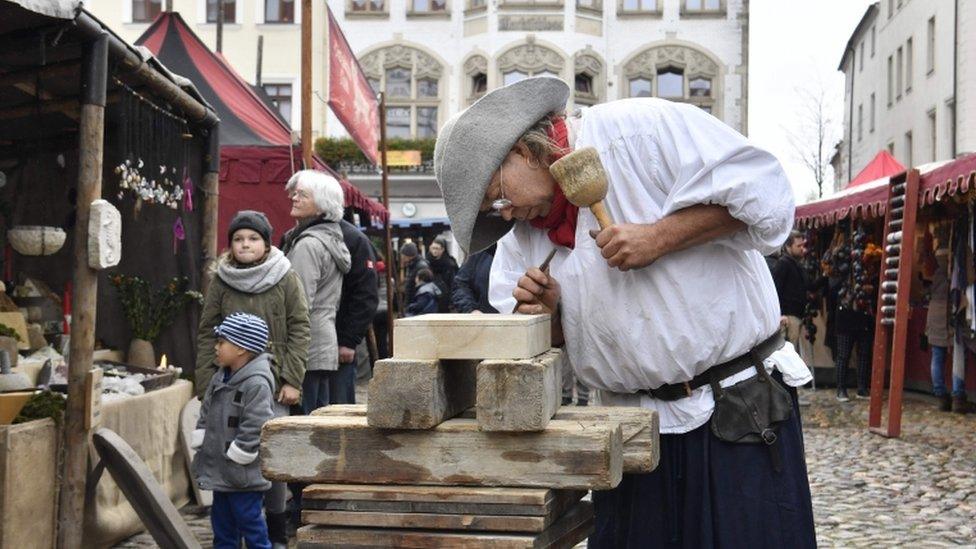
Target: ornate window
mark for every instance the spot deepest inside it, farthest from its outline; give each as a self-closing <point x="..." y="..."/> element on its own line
<point x="588" y="81"/>
<point x="527" y="60"/>
<point x="476" y="77"/>
<point x="678" y="73"/>
<point x="412" y="80"/>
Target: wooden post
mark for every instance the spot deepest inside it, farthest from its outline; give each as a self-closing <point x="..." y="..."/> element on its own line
<point x="211" y="185"/>
<point x="220" y="26"/>
<point x="389" y="234"/>
<point x="94" y="74"/>
<point x="307" y="83"/>
<point x="257" y="74"/>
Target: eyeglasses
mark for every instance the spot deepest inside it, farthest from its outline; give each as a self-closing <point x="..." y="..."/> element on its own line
<point x="500" y="204"/>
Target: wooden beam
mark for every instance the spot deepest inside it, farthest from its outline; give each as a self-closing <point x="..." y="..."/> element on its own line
<point x="306" y="80"/>
<point x="30" y="76"/>
<point x="570" y="529"/>
<point x="440" y="499"/>
<point x="419" y="394"/>
<point x="432" y="521"/>
<point x="462" y="336"/>
<point x="519" y="395"/>
<point x="639" y="428"/>
<point x="567" y="454"/>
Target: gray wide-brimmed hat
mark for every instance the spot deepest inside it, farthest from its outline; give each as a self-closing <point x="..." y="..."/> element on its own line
<point x="473" y="143"/>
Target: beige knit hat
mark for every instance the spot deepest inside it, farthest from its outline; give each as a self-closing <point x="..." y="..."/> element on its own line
<point x="474" y="142"/>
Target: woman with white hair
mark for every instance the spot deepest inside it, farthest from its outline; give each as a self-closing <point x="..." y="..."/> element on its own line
<point x="320" y="257"/>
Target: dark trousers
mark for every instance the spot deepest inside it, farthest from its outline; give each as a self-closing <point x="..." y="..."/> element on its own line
<point x="710" y="493"/>
<point x="864" y="340"/>
<point x="317" y="389"/>
<point x="344" y="388"/>
<point x="237" y="515"/>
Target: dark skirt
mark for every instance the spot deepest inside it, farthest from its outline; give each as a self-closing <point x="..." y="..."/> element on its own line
<point x="710" y="493"/>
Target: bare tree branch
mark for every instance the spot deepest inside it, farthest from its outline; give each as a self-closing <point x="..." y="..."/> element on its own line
<point x="815" y="132"/>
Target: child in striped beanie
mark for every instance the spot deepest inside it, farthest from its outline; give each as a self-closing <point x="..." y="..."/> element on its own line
<point x="236" y="405"/>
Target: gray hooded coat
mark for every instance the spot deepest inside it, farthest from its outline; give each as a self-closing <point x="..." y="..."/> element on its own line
<point x="228" y="432"/>
<point x="319" y="255"/>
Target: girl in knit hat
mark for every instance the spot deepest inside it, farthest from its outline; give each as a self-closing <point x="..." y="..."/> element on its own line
<point x="255" y="277"/>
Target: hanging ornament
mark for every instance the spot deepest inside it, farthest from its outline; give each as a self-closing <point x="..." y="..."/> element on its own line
<point x="179" y="233"/>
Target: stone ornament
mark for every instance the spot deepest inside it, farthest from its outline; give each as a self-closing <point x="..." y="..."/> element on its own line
<point x="36" y="239"/>
<point x="693" y="62"/>
<point x="422" y="64"/>
<point x="104" y="235"/>
<point x="532" y="57"/>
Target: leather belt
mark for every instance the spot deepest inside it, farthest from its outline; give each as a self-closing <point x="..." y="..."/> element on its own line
<point x="677" y="391"/>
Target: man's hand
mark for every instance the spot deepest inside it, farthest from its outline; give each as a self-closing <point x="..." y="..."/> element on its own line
<point x="783" y="321"/>
<point x="346" y="355"/>
<point x="536" y="293"/>
<point x="288" y="395"/>
<point x="627" y="246"/>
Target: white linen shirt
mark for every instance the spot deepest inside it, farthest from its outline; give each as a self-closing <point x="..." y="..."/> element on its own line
<point x="689" y="310"/>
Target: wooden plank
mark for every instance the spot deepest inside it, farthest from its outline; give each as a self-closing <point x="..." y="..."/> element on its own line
<point x="568" y="454"/>
<point x="430" y="521"/>
<point x="462" y="336"/>
<point x="440" y="499"/>
<point x="572" y="528"/>
<point x="419" y="394"/>
<point x="640" y="428"/>
<point x="518" y="395"/>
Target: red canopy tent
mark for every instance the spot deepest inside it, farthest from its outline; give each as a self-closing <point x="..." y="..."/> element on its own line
<point x="257" y="155"/>
<point x="864" y="196"/>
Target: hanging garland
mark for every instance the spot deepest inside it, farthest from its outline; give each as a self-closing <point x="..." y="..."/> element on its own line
<point x="148" y="130"/>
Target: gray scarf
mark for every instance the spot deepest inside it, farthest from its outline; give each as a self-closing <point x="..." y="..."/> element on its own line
<point x="257" y="279"/>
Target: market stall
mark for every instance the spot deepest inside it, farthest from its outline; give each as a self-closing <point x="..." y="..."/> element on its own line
<point x="945" y="197"/>
<point x="108" y="172"/>
<point x="257" y="153"/>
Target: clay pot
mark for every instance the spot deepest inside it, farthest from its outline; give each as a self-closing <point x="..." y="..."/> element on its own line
<point x="141" y="353"/>
<point x="9" y="344"/>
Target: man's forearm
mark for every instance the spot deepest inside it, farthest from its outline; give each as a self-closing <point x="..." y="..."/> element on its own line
<point x="693" y="226"/>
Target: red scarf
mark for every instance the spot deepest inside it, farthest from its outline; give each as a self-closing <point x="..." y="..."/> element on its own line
<point x="561" y="220"/>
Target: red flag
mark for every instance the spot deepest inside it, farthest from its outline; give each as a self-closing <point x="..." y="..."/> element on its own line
<point x="351" y="97"/>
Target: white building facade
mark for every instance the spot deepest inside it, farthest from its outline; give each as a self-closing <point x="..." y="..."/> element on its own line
<point x="435" y="57"/>
<point x="910" y="77"/>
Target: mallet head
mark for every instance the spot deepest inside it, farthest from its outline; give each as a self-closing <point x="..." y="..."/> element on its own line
<point x="581" y="176"/>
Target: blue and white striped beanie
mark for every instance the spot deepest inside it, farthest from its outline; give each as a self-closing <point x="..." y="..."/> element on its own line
<point x="248" y="332"/>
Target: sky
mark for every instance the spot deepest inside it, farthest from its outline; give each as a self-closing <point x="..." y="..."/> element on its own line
<point x="793" y="43"/>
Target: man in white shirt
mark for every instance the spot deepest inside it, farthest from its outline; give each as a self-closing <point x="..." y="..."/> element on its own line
<point x="662" y="309"/>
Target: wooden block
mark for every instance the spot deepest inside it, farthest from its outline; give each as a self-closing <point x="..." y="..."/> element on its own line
<point x="518" y="395"/>
<point x="462" y="336"/>
<point x="419" y="394"/>
<point x="28" y="483"/>
<point x="567" y="454"/>
<point x="570" y="529"/>
<point x="430" y="521"/>
<point x="440" y="499"/>
<point x="639" y="428"/>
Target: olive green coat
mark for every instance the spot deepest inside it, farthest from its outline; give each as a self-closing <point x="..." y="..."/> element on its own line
<point x="282" y="306"/>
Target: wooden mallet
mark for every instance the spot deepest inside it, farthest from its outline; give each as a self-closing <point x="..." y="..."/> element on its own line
<point x="581" y="176"/>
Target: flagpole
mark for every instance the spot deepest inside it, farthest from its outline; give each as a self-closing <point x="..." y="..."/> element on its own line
<point x="389" y="233"/>
<point x="307" y="83"/>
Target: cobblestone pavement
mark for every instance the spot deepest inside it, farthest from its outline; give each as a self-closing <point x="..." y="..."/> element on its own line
<point x="868" y="491"/>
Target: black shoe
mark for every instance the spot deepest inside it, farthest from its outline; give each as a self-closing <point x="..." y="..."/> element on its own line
<point x="862" y="394"/>
<point x="567" y="401"/>
<point x="842" y="395"/>
<point x="582" y="402"/>
<point x="959" y="404"/>
<point x="945" y="403"/>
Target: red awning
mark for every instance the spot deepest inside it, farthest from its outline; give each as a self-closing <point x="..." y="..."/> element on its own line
<point x="948" y="179"/>
<point x="255" y="143"/>
<point x="863" y="197"/>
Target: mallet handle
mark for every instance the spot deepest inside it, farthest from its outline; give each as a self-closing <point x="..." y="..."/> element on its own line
<point x="602" y="217"/>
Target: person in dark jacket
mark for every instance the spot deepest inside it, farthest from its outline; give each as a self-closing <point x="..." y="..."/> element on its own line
<point x="427" y="296"/>
<point x="444" y="268"/>
<point x="412" y="263"/>
<point x="360" y="297"/>
<point x="469" y="293"/>
<point x="792" y="285"/>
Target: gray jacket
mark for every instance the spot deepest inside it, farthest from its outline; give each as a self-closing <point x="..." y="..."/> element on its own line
<point x="228" y="432"/>
<point x="320" y="257"/>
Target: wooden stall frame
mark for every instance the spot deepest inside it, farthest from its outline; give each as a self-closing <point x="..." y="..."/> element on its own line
<point x="891" y="330"/>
